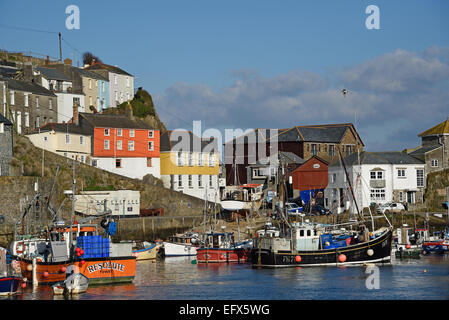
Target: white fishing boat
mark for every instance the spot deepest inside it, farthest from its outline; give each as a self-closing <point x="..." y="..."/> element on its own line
<point x="181" y="245"/>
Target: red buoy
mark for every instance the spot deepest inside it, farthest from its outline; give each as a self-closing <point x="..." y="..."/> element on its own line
<point x="46" y="274"/>
<point x="78" y="249"/>
<point x="408" y="246"/>
<point x="83" y="262"/>
<point x="24" y="285"/>
<point x="82" y="251"/>
<point x="78" y="254"/>
<point x="341" y="258"/>
<point x="63" y="269"/>
<point x="298" y="259"/>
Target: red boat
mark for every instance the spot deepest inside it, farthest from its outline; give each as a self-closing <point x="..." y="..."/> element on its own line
<point x="220" y="247"/>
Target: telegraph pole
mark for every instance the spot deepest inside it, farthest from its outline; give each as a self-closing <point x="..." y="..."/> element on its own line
<point x="60" y="48"/>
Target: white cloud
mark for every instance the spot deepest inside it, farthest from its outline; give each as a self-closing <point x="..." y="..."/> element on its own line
<point x="397" y="92"/>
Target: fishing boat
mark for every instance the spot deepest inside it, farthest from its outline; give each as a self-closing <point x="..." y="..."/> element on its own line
<point x="10" y="282"/>
<point x="439" y="243"/>
<point x="181" y="245"/>
<point x="242" y="198"/>
<point x="220" y="247"/>
<point x="75" y="283"/>
<point x="146" y="251"/>
<point x="405" y="244"/>
<point x="44" y="257"/>
<point x="304" y="243"/>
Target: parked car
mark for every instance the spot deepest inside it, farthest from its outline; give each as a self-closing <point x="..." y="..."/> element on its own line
<point x="391" y="207"/>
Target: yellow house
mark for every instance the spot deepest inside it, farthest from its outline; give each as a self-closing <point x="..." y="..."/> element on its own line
<point x="65" y="139"/>
<point x="190" y="164"/>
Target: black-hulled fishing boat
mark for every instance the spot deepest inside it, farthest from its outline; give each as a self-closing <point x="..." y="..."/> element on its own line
<point x="308" y="244"/>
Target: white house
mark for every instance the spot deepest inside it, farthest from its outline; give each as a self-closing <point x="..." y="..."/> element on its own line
<point x="376" y="177"/>
<point x="57" y="82"/>
<point x="123" y="203"/>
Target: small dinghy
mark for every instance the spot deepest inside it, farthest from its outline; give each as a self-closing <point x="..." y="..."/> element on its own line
<point x="74" y="283"/>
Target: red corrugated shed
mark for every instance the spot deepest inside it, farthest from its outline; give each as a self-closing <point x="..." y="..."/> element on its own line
<point x="312" y="174"/>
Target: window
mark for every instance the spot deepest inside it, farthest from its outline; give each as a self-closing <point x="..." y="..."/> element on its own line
<point x="314" y="149"/>
<point x="434" y="163"/>
<point x="211" y="159"/>
<point x="67" y="138"/>
<point x="118" y="163"/>
<point x="106" y="132"/>
<point x="150" y="145"/>
<point x="50" y="104"/>
<point x="116" y="96"/>
<point x="331" y="150"/>
<point x="179" y="181"/>
<point x="90" y="83"/>
<point x="401" y="196"/>
<point x="190" y="181"/>
<point x="179" y="159"/>
<point x="119" y="144"/>
<point x="420" y="177"/>
<point x="82" y="159"/>
<point x="200" y="159"/>
<point x="191" y="160"/>
<point x="149" y="163"/>
<point x="94" y="163"/>
<point x="376" y="175"/>
<point x="37" y="102"/>
<point x="150" y="134"/>
<point x="90" y="101"/>
<point x="115" y="79"/>
<point x="348" y="150"/>
<point x="401" y="173"/>
<point x="119" y="132"/>
<point x="45" y="139"/>
<point x="377" y="194"/>
<point x="131" y="133"/>
<point x="27" y="119"/>
<point x="309" y="233"/>
<point x="11" y="98"/>
<point x="106" y="144"/>
<point x="37" y="122"/>
<point x="211" y="181"/>
<point x="301" y="233"/>
<point x="127" y="82"/>
<point x="334" y="177"/>
<point x="130" y="145"/>
<point x="81" y="140"/>
<point x="25" y="95"/>
<point x="200" y="181"/>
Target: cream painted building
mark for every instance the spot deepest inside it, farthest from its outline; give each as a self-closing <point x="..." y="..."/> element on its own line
<point x="64" y="139"/>
<point x="123" y="203"/>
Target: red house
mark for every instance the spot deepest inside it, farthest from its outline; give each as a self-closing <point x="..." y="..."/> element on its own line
<point x="311" y="175"/>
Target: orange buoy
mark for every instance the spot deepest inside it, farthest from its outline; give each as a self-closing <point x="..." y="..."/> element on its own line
<point x="46" y="274"/>
<point x="63" y="269"/>
<point x="24" y="285"/>
<point x="408" y="246"/>
<point x="425" y="270"/>
<point x="30" y="267"/>
<point x="341" y="258"/>
<point x="298" y="259"/>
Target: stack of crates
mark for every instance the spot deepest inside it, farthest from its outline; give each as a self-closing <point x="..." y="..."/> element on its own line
<point x="93" y="246"/>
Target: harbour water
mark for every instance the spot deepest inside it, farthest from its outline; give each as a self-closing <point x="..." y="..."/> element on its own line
<point x="178" y="278"/>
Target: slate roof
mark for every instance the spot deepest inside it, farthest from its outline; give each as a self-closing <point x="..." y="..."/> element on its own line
<point x="113" y="121"/>
<point x="171" y="138"/>
<point x="288" y="157"/>
<point x="53" y="74"/>
<point x="28" y="87"/>
<point x="5" y="121"/>
<point x="89" y="74"/>
<point x="424" y="150"/>
<point x="390" y="157"/>
<point x="113" y="69"/>
<point x="441" y="128"/>
<point x="63" y="127"/>
<point x="330" y="133"/>
<point x="8" y="72"/>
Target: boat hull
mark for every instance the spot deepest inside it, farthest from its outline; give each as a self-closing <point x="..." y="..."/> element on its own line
<point x="217" y="255"/>
<point x="179" y="249"/>
<point x="435" y="246"/>
<point x="149" y="253"/>
<point x="98" y="270"/>
<point x="353" y="254"/>
<point x="9" y="285"/>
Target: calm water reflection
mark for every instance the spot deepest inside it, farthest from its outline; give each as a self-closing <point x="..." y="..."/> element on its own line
<point x="178" y="278"/>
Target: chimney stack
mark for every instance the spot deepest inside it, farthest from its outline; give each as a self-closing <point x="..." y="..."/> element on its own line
<point x="75" y="118"/>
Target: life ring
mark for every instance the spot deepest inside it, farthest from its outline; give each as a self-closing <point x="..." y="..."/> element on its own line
<point x="17" y="247"/>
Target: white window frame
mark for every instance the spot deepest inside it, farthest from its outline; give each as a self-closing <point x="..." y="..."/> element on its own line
<point x="119" y="144"/>
<point x="11" y="98"/>
<point x="131" y="145"/>
<point x="81" y="140"/>
<point x="401" y="173"/>
<point x="200" y="159"/>
<point x="26" y="99"/>
<point x="200" y="181"/>
<point x="420" y="178"/>
<point x="190" y="181"/>
<point x="180" y="158"/>
<point x="131" y="133"/>
<point x="377" y="194"/>
<point x="106" y="145"/>
<point x="150" y="134"/>
<point x="67" y="138"/>
<point x="150" y="146"/>
<point x="191" y="159"/>
<point x="434" y="163"/>
<point x="119" y="132"/>
<point x="107" y="132"/>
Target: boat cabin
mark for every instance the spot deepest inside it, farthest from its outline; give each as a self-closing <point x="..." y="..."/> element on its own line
<point x="307" y="237"/>
<point x="218" y="240"/>
<point x="191" y="238"/>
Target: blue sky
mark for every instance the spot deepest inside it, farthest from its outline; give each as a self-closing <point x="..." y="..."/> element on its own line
<point x="192" y="56"/>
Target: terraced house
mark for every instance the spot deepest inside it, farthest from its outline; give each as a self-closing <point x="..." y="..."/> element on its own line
<point x="27" y="104"/>
<point x="325" y="141"/>
<point x="190" y="164"/>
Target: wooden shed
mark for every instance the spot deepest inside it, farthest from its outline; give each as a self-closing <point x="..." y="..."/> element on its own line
<point x="311" y="175"/>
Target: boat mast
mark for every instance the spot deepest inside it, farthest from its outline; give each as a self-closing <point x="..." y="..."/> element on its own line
<point x="73" y="208"/>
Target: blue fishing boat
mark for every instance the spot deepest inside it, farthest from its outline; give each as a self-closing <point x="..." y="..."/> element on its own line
<point x="9" y="282"/>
